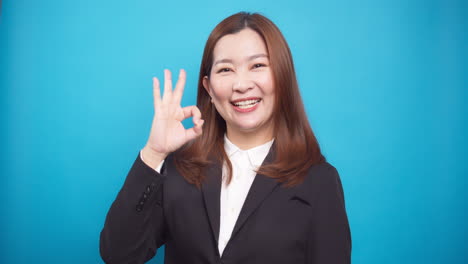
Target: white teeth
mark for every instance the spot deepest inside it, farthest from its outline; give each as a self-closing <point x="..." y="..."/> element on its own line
<point x="246" y="106"/>
<point x="246" y="103"/>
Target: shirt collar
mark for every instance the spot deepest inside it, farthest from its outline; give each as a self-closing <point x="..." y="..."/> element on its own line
<point x="256" y="154"/>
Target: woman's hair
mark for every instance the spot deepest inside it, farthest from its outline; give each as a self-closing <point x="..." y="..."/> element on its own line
<point x="295" y="147"/>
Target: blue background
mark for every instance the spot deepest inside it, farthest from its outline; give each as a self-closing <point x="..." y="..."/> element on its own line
<point x="384" y="83"/>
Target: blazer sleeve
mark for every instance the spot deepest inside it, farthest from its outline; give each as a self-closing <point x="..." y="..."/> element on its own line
<point x="134" y="227"/>
<point x="330" y="235"/>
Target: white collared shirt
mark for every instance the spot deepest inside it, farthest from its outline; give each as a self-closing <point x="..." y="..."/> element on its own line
<point x="244" y="166"/>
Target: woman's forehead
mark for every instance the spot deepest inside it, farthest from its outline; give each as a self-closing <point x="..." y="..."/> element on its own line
<point x="243" y="45"/>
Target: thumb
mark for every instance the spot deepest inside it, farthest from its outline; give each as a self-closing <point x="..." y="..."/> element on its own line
<point x="195" y="131"/>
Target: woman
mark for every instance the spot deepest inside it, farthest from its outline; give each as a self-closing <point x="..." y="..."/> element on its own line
<point x="246" y="184"/>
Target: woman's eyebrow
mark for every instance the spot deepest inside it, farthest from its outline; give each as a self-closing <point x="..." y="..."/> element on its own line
<point x="222" y="61"/>
<point x="256" y="56"/>
<point x="249" y="58"/>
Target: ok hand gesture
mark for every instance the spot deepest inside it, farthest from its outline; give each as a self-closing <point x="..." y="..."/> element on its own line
<point x="167" y="132"/>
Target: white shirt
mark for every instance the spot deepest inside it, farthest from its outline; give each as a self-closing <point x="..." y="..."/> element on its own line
<point x="244" y="166"/>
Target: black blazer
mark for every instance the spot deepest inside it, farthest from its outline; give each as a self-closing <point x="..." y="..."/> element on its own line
<point x="304" y="224"/>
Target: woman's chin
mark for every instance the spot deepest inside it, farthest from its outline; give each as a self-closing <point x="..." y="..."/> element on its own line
<point x="249" y="127"/>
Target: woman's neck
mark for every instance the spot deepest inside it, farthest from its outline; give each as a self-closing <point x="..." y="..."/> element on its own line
<point x="249" y="139"/>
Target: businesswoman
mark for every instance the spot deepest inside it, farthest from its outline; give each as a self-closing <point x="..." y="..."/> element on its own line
<point x="247" y="183"/>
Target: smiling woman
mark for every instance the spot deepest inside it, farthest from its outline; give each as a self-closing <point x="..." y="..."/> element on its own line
<point x="241" y="86"/>
<point x="246" y="184"/>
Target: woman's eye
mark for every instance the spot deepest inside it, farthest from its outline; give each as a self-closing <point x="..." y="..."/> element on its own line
<point x="224" y="70"/>
<point x="258" y="65"/>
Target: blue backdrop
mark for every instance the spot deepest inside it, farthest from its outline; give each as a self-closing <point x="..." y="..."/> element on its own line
<point x="384" y="82"/>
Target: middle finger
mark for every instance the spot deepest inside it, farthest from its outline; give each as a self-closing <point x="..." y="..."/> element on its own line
<point x="179" y="89"/>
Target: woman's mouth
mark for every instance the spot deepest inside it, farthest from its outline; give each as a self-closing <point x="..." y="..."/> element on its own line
<point x="247" y="105"/>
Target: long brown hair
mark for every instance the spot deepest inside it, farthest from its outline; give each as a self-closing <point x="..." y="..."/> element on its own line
<point x="295" y="147"/>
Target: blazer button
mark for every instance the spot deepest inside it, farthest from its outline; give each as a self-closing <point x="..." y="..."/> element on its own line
<point x="139" y="208"/>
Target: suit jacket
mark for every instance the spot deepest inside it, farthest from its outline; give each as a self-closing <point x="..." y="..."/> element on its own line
<point x="304" y="224"/>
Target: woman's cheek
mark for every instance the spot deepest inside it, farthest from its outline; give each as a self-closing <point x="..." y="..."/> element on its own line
<point x="221" y="89"/>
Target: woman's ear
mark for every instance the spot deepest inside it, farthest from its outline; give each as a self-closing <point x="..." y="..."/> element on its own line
<point x="206" y="84"/>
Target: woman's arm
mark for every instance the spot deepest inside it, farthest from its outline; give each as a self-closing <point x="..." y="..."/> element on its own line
<point x="330" y="236"/>
<point x="135" y="227"/>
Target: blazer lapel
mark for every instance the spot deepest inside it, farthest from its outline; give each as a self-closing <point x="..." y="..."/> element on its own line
<point x="211" y="189"/>
<point x="261" y="187"/>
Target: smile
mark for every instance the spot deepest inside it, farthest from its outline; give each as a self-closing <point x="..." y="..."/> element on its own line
<point x="246" y="105"/>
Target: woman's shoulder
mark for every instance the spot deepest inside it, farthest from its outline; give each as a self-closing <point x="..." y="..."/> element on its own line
<point x="322" y="178"/>
<point x="322" y="172"/>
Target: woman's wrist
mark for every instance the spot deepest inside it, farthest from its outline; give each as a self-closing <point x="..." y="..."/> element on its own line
<point x="151" y="157"/>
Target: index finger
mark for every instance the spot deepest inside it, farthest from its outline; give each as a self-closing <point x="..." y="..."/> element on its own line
<point x="192" y="111"/>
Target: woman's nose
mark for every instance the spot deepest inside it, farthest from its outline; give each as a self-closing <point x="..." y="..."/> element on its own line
<point x="242" y="85"/>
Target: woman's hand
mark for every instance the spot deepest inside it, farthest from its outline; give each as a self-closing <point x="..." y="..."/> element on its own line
<point x="167" y="132"/>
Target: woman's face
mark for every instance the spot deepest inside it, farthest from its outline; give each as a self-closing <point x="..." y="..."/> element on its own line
<point x="241" y="82"/>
